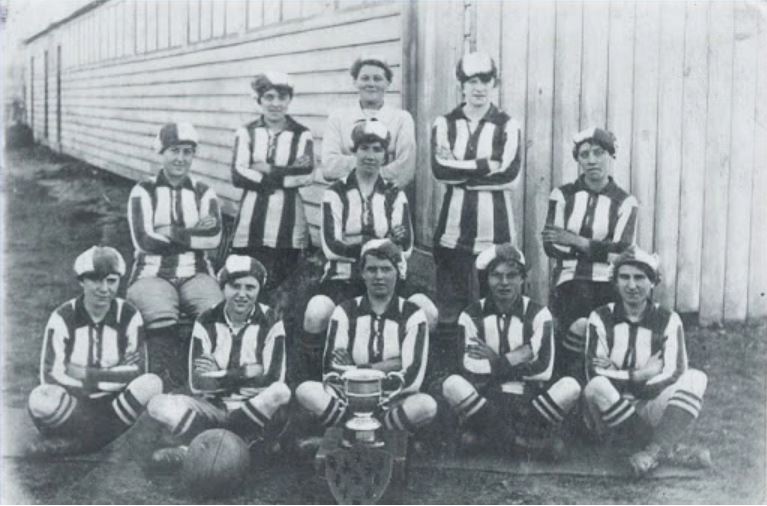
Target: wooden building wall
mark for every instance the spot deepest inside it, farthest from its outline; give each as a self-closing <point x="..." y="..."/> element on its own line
<point x="682" y="85"/>
<point x="131" y="65"/>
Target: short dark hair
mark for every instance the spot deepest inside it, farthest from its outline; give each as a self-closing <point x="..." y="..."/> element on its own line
<point x="360" y="62"/>
<point x="261" y="84"/>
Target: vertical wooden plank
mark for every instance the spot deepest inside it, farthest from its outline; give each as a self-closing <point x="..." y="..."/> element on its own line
<point x="567" y="90"/>
<point x="120" y="29"/>
<point x="315" y="7"/>
<point x="596" y="20"/>
<point x="255" y="13"/>
<point x="742" y="161"/>
<point x="720" y="58"/>
<point x="695" y="91"/>
<point x="151" y="26"/>
<point x="195" y="7"/>
<point x="219" y="18"/>
<point x="757" y="285"/>
<point x="163" y="24"/>
<point x="643" y="162"/>
<point x="620" y="87"/>
<point x="669" y="147"/>
<point x="438" y="52"/>
<point x="141" y="27"/>
<point x="540" y="92"/>
<point x="291" y="10"/>
<point x="109" y="31"/>
<point x="179" y="22"/>
<point x="236" y="12"/>
<point x="514" y="25"/>
<point x="206" y="19"/>
<point x="272" y="11"/>
<point x="489" y="35"/>
<point x="130" y="27"/>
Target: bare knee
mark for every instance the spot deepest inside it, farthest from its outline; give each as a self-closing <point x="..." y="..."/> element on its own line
<point x="318" y="313"/>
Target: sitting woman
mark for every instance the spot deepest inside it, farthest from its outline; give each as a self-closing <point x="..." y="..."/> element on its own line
<point x="355" y="209"/>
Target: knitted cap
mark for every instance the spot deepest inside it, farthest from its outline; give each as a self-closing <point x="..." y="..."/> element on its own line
<point x="175" y="133"/>
<point x="496" y="253"/>
<point x="99" y="261"/>
<point x="240" y="266"/>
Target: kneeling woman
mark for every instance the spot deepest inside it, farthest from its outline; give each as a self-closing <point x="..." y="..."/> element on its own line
<point x="356" y="209"/>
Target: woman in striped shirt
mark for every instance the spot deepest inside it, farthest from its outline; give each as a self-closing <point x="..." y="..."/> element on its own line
<point x="356" y="209"/>
<point x="475" y="154"/>
<point x="273" y="158"/>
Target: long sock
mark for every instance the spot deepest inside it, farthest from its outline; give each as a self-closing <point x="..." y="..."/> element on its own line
<point x="672" y="426"/>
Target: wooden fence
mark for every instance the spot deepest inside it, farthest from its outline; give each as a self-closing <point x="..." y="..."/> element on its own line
<point x="682" y="84"/>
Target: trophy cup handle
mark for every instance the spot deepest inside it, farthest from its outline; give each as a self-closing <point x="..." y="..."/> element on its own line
<point x="401" y="379"/>
<point x="328" y="377"/>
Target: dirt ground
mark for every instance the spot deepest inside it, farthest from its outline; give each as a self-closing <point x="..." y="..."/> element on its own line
<point x="56" y="207"/>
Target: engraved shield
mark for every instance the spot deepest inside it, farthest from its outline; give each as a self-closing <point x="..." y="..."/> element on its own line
<point x="358" y="475"/>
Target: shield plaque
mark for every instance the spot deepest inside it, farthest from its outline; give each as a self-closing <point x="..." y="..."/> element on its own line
<point x="358" y="475"/>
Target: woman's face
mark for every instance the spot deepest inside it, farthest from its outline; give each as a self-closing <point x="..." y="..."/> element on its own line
<point x="274" y="104"/>
<point x="370" y="157"/>
<point x="371" y="83"/>
<point x="476" y="92"/>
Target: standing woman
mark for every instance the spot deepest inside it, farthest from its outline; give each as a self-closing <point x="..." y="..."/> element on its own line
<point x="372" y="77"/>
<point x="273" y="157"/>
<point x="475" y="154"/>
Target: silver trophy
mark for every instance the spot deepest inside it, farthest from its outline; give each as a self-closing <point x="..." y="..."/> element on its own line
<point x="364" y="392"/>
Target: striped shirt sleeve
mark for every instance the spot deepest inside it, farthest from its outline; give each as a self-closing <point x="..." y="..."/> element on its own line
<point x="622" y="237"/>
<point x="452" y="170"/>
<point x="401" y="217"/>
<point x="414" y="351"/>
<point x="205" y="238"/>
<point x="134" y="333"/>
<point x="273" y="355"/>
<point x="470" y="332"/>
<point x="674" y="358"/>
<point x="201" y="345"/>
<point x="556" y="217"/>
<point x="337" y="339"/>
<point x="243" y="176"/>
<point x="141" y="223"/>
<point x="331" y="230"/>
<point x="598" y="347"/>
<point x="506" y="153"/>
<point x="541" y="365"/>
<point x="300" y="172"/>
<point x="53" y="363"/>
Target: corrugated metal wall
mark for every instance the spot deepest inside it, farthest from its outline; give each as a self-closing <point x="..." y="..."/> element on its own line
<point x="682" y="84"/>
<point x="131" y="65"/>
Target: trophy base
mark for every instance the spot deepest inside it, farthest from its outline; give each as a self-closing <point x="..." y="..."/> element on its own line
<point x="363" y="432"/>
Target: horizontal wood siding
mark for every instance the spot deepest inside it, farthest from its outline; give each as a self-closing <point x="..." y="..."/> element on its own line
<point x="193" y="61"/>
<point x="682" y="86"/>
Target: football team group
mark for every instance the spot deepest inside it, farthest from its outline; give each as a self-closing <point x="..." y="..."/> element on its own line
<point x="602" y="362"/>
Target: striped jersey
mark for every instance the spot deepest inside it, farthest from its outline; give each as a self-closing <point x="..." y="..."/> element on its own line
<point x="349" y="219"/>
<point x="400" y="332"/>
<point x="261" y="341"/>
<point x="527" y="324"/>
<point x="630" y="345"/>
<point x="271" y="209"/>
<point x="607" y="218"/>
<point x="162" y="220"/>
<point x="73" y="342"/>
<point x="476" y="209"/>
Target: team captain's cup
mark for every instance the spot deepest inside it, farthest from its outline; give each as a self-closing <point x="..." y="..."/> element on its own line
<point x="364" y="392"/>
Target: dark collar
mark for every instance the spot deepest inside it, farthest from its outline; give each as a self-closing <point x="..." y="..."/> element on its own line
<point x="380" y="185"/>
<point x="493" y="114"/>
<point x="517" y="309"/>
<point x="392" y="311"/>
<point x="580" y="185"/>
<point x="83" y="318"/>
<point x="619" y="315"/>
<point x="290" y="124"/>
<point x="162" y="180"/>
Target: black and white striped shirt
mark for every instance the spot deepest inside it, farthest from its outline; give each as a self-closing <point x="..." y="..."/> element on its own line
<point x="350" y="219"/>
<point x="180" y="251"/>
<point x="607" y="218"/>
<point x="400" y="332"/>
<point x="271" y="209"/>
<point x="527" y="324"/>
<point x="630" y="345"/>
<point x="259" y="342"/>
<point x="73" y="340"/>
<point x="476" y="209"/>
